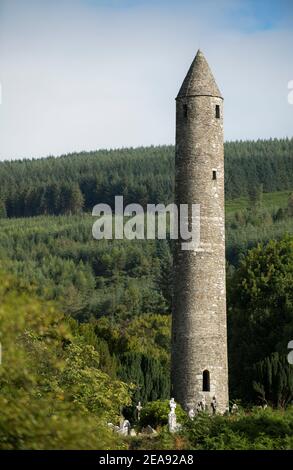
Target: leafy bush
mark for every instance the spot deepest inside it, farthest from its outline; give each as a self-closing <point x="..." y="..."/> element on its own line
<point x="155" y="413"/>
<point x="258" y="429"/>
<point x="53" y="393"/>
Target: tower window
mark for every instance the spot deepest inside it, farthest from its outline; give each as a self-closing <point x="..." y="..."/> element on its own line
<point x="205" y="381"/>
<point x="214" y="174"/>
<point x="185" y="110"/>
<point x="218" y="115"/>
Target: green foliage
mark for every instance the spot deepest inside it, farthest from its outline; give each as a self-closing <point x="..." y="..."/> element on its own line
<point x="127" y="287"/>
<point x="148" y="334"/>
<point x="142" y="346"/>
<point x="121" y="290"/>
<point x="53" y="393"/>
<point x="261" y="320"/>
<point x="270" y="201"/>
<point x="65" y="184"/>
<point x="119" y="278"/>
<point x="163" y="440"/>
<point x="61" y="379"/>
<point x="89" y="278"/>
<point x="255" y="194"/>
<point x="257" y="430"/>
<point x="290" y="205"/>
<point x="274" y="380"/>
<point x="254" y="430"/>
<point x="156" y="413"/>
<point x="3" y="212"/>
<point x="150" y="376"/>
<point x="70" y="199"/>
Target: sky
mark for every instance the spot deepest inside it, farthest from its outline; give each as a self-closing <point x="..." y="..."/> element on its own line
<point x="87" y="74"/>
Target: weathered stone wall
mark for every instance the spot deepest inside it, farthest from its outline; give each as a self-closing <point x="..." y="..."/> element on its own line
<point x="199" y="339"/>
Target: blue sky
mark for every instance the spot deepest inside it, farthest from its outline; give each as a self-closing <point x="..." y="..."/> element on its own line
<point x="263" y="14"/>
<point x="87" y="74"/>
<point x="266" y="14"/>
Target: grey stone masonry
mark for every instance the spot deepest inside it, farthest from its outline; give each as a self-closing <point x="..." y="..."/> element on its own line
<point x="199" y="339"/>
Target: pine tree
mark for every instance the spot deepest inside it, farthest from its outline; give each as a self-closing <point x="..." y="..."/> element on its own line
<point x="3" y="212"/>
<point x="274" y="380"/>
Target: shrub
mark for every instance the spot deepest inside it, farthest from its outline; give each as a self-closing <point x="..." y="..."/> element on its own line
<point x="53" y="393"/>
<point x="258" y="429"/>
<point x="155" y="413"/>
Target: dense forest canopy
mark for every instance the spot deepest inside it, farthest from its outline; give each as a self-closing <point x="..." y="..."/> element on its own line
<point x="124" y="288"/>
<point x="77" y="181"/>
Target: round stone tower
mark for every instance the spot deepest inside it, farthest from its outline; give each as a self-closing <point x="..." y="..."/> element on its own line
<point x="199" y="339"/>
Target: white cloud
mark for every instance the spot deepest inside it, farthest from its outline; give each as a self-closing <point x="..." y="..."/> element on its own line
<point x="79" y="77"/>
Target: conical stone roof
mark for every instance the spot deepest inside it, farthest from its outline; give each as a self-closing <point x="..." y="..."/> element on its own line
<point x="199" y="80"/>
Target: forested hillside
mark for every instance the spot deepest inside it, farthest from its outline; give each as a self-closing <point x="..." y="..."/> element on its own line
<point x="70" y="183"/>
<point x="124" y="287"/>
<point x="91" y="319"/>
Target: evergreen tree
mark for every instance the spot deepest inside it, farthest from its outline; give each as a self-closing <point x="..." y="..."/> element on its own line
<point x="290" y="205"/>
<point x="260" y="311"/>
<point x="3" y="212"/>
<point x="274" y="380"/>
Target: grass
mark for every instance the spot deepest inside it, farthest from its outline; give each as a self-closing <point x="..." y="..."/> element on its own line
<point x="277" y="199"/>
<point x="270" y="201"/>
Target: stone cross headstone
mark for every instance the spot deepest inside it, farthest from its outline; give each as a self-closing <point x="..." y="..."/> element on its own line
<point x="125" y="428"/>
<point x="172" y="421"/>
<point x="172" y="405"/>
<point x="191" y="414"/>
<point x="138" y="410"/>
<point x="234" y="408"/>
